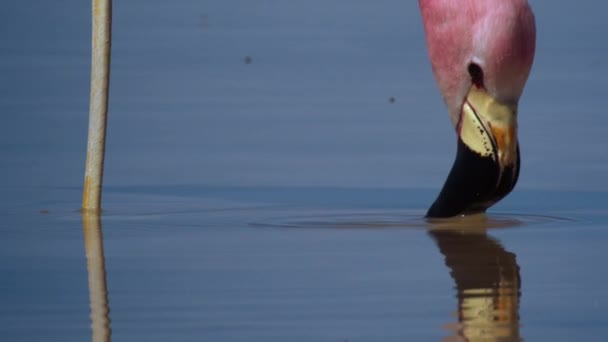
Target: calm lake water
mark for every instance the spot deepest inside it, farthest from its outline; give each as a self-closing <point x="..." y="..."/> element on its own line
<point x="268" y="167"/>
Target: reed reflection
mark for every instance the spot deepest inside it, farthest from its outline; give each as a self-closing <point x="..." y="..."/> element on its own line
<point x="98" y="291"/>
<point x="488" y="285"/>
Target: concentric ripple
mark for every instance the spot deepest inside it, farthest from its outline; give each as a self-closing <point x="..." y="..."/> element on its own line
<point x="407" y="220"/>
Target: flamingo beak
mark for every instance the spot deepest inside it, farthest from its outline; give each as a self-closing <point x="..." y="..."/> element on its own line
<point x="487" y="162"/>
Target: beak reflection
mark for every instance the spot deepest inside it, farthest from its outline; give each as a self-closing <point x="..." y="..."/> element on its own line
<point x="488" y="285"/>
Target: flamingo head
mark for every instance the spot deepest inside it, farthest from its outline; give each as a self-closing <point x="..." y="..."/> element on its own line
<point x="481" y="53"/>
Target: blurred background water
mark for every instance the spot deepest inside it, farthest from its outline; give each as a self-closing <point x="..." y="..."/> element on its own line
<point x="242" y="132"/>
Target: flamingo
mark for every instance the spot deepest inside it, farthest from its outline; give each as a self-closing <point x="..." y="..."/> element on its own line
<point x="481" y="53"/>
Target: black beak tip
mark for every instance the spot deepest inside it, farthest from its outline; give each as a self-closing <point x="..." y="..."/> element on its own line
<point x="474" y="184"/>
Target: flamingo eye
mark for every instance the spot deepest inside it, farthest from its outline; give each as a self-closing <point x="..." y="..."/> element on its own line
<point x="476" y="75"/>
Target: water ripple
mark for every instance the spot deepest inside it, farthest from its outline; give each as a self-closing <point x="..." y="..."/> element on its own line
<point x="407" y="220"/>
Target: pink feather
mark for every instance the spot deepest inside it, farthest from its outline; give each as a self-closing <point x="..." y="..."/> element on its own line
<point x="497" y="35"/>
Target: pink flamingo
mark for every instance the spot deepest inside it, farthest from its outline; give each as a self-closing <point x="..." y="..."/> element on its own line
<point x="481" y="52"/>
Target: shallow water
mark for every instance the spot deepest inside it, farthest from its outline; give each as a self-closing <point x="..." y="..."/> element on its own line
<point x="247" y="264"/>
<point x="261" y="185"/>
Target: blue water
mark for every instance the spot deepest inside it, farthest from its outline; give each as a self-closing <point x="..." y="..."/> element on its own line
<point x="282" y="198"/>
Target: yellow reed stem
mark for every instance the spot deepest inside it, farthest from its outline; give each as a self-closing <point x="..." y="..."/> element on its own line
<point x="100" y="77"/>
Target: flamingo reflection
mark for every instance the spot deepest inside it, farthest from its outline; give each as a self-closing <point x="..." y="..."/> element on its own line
<point x="488" y="286"/>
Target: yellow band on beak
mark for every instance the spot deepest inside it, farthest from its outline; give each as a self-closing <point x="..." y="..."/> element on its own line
<point x="489" y="127"/>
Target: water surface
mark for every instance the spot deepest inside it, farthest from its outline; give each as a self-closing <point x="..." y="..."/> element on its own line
<point x="268" y="167"/>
